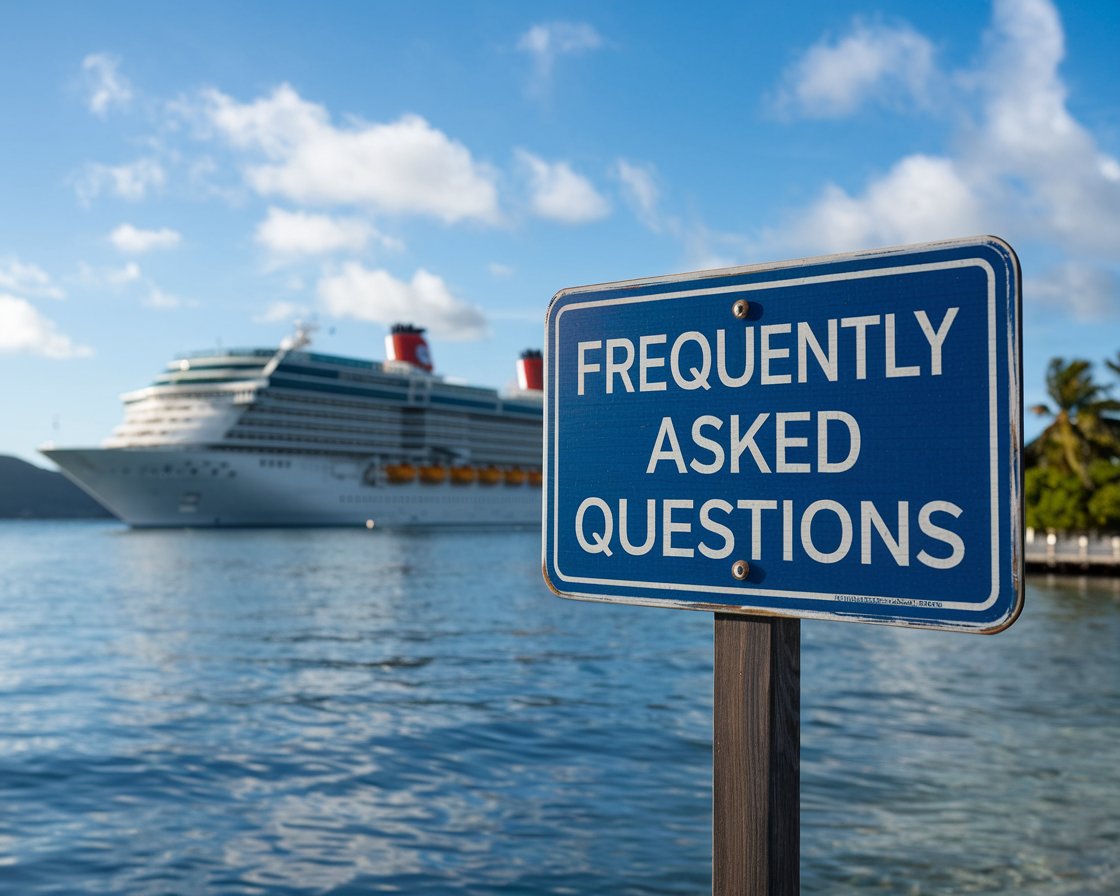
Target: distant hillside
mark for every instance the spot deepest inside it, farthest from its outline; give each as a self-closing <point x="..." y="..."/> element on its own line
<point x="29" y="492"/>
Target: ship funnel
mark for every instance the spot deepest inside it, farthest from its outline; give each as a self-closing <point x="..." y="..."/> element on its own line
<point x="406" y="343"/>
<point x="530" y="371"/>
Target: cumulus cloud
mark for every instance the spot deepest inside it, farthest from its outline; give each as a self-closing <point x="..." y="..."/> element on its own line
<point x="1059" y="180"/>
<point x="24" y="330"/>
<point x="27" y="279"/>
<point x="545" y="43"/>
<point x="133" y="181"/>
<point x="557" y="193"/>
<point x="921" y="198"/>
<point x="288" y="233"/>
<point x="106" y="86"/>
<point x="404" y="167"/>
<point x="1024" y="168"/>
<point x="870" y="62"/>
<point x="376" y="295"/>
<point x="136" y="240"/>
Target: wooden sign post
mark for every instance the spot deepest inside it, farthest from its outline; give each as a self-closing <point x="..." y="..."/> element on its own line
<point x="756" y="779"/>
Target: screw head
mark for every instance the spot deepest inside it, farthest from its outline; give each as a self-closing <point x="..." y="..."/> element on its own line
<point x="740" y="569"/>
<point x="741" y="308"/>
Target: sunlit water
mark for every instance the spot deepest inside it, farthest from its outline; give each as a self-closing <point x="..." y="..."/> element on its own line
<point x="369" y="712"/>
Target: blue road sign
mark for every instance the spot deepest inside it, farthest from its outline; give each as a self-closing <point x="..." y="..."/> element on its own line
<point x="829" y="438"/>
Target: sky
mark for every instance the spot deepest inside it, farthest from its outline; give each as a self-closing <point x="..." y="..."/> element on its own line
<point x="177" y="178"/>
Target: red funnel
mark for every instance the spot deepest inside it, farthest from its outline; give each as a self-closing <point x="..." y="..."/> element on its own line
<point x="406" y="343"/>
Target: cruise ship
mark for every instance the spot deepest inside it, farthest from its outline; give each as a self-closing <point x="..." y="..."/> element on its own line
<point x="290" y="437"/>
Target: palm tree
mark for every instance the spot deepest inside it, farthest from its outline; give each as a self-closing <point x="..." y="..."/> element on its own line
<point x="1114" y="366"/>
<point x="1082" y="428"/>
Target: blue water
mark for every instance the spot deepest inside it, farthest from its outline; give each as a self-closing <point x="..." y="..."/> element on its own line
<point x="370" y="712"/>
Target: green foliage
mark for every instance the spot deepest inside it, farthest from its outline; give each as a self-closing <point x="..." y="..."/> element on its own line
<point x="1055" y="499"/>
<point x="1104" y="504"/>
<point x="1072" y="480"/>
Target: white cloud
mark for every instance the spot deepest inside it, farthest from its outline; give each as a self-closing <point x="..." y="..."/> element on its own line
<point x="639" y="187"/>
<point x="280" y="312"/>
<point x="130" y="273"/>
<point x="133" y="181"/>
<point x="703" y="248"/>
<point x="27" y="279"/>
<point x="1062" y="184"/>
<point x="129" y="280"/>
<point x="872" y="61"/>
<point x="24" y="330"/>
<point x="301" y="233"/>
<point x="547" y="42"/>
<point x="135" y="240"/>
<point x="165" y="301"/>
<point x="107" y="87"/>
<point x="559" y="194"/>
<point x="922" y="198"/>
<point x="1087" y="293"/>
<point x="96" y="277"/>
<point x="1024" y="169"/>
<point x="406" y="166"/>
<point x="500" y="270"/>
<point x="377" y="296"/>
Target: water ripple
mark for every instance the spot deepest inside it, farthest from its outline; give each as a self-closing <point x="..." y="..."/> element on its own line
<point x="304" y="712"/>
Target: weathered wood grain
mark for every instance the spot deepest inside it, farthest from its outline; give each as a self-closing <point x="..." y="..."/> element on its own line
<point x="756" y="823"/>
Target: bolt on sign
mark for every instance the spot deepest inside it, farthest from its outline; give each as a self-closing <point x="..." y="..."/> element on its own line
<point x="832" y="438"/>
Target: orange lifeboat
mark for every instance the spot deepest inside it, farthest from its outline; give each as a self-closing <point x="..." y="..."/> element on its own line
<point x="432" y="474"/>
<point x="489" y="476"/>
<point x="535" y="478"/>
<point x="463" y="475"/>
<point x="515" y="477"/>
<point x="400" y="473"/>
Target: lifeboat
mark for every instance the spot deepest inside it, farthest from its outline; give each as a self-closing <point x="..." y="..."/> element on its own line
<point x="489" y="476"/>
<point x="515" y="477"/>
<point x="432" y="474"/>
<point x="463" y="475"/>
<point x="535" y="478"/>
<point x="399" y="473"/>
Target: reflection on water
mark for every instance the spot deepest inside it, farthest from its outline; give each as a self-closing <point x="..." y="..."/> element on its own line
<point x="346" y="711"/>
<point x="969" y="764"/>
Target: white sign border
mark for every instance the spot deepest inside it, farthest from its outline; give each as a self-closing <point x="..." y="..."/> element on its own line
<point x="552" y="456"/>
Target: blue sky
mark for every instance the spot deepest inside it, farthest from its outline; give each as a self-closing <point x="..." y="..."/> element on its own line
<point x="176" y="179"/>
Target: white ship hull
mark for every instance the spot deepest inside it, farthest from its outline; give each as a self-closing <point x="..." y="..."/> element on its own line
<point x="177" y="487"/>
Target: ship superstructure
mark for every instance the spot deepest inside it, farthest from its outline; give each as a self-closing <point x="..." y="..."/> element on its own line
<point x="247" y="437"/>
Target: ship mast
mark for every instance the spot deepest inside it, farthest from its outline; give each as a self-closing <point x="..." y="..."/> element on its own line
<point x="300" y="339"/>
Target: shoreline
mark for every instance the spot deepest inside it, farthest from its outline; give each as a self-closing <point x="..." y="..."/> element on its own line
<point x="1072" y="552"/>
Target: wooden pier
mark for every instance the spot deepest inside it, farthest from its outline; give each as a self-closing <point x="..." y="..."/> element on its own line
<point x="1072" y="552"/>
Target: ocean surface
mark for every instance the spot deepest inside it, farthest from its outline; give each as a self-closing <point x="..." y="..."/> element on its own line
<point x="343" y="711"/>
